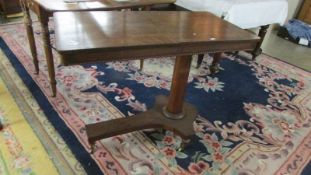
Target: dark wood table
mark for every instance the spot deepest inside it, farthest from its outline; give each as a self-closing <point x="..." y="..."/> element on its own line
<point x="45" y="9"/>
<point x="84" y="37"/>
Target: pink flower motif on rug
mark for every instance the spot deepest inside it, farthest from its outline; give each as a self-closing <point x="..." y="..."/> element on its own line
<point x="210" y="83"/>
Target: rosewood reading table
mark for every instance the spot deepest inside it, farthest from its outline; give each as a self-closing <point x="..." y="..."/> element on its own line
<point x="45" y="9"/>
<point x="85" y="37"/>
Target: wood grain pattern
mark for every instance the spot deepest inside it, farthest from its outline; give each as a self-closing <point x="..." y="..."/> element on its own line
<point x="179" y="85"/>
<point x="143" y="34"/>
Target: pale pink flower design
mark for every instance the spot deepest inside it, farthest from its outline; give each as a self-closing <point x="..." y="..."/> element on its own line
<point x="210" y="83"/>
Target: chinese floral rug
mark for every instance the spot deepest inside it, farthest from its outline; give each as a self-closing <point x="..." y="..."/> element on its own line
<point x="254" y="116"/>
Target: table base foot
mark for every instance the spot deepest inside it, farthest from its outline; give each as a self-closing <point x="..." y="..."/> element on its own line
<point x="153" y="118"/>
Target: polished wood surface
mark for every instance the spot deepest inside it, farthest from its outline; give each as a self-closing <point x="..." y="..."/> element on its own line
<point x="45" y="9"/>
<point x="31" y="38"/>
<point x="179" y="85"/>
<point x="143" y="34"/>
<point x="85" y="37"/>
<point x="61" y="5"/>
<point x="48" y="51"/>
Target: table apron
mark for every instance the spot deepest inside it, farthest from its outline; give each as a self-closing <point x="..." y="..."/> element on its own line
<point x="105" y="55"/>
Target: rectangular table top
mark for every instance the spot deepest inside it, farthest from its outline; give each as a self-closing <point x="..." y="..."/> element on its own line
<point x="154" y="33"/>
<point x="62" y="5"/>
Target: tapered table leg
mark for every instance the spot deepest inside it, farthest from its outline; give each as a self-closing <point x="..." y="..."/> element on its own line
<point x="48" y="50"/>
<point x="262" y="33"/>
<point x="30" y="35"/>
<point x="169" y="113"/>
<point x="174" y="109"/>
<point x="215" y="64"/>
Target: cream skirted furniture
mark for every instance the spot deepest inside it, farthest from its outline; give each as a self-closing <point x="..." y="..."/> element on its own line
<point x="245" y="14"/>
